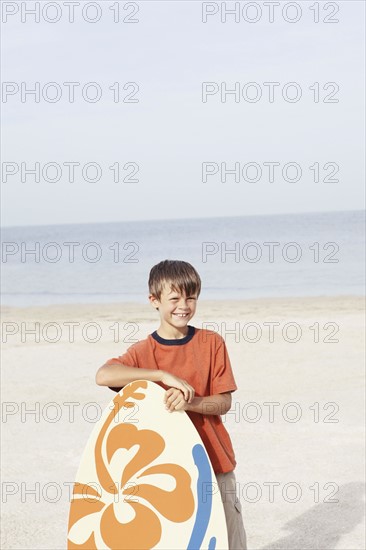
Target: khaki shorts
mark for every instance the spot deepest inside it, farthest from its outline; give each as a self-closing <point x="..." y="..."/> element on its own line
<point x="233" y="511"/>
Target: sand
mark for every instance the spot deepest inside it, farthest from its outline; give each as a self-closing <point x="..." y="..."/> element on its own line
<point x="297" y="420"/>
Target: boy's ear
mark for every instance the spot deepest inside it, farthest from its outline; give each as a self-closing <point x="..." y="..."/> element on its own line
<point x="153" y="301"/>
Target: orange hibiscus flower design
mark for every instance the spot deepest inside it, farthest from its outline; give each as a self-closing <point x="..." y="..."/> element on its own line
<point x="92" y="512"/>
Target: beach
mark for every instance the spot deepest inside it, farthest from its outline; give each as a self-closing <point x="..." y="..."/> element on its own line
<point x="296" y="422"/>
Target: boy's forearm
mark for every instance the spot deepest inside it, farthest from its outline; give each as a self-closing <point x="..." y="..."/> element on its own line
<point x="117" y="375"/>
<point x="211" y="404"/>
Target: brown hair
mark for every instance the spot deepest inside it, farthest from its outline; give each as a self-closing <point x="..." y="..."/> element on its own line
<point x="182" y="277"/>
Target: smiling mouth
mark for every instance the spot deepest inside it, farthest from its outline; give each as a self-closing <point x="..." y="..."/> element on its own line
<point x="181" y="315"/>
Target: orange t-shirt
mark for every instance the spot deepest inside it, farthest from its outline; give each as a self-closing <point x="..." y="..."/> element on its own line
<point x="202" y="360"/>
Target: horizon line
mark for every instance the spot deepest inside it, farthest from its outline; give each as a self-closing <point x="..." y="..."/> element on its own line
<point x="183" y="219"/>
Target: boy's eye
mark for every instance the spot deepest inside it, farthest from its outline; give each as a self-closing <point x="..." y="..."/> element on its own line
<point x="175" y="299"/>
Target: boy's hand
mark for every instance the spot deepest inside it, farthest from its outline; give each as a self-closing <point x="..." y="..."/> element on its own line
<point x="174" y="400"/>
<point x="178" y="383"/>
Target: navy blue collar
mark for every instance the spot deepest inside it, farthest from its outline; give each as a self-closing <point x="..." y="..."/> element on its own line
<point x="175" y="341"/>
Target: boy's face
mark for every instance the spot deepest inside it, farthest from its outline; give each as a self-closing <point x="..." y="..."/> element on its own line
<point x="175" y="309"/>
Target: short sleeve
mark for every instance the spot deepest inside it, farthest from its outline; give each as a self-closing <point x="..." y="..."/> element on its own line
<point x="129" y="358"/>
<point x="223" y="377"/>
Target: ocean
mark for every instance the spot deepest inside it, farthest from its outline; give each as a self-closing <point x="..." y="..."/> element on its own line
<point x="317" y="254"/>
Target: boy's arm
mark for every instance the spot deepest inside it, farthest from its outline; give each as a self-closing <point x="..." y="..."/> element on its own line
<point x="210" y="404"/>
<point x="117" y="375"/>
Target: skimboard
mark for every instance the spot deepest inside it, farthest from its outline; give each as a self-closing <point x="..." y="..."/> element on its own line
<point x="145" y="480"/>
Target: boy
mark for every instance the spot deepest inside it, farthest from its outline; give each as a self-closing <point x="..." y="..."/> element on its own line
<point x="193" y="366"/>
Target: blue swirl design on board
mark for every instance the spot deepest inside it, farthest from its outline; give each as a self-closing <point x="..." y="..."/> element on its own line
<point x="203" y="508"/>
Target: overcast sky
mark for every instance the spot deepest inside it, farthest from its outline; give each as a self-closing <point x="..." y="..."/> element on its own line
<point x="162" y="140"/>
